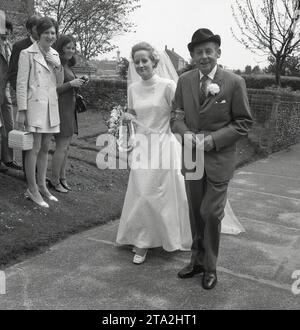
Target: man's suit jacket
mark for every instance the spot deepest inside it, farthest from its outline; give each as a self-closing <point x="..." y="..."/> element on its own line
<point x="225" y="116"/>
<point x="36" y="86"/>
<point x="3" y="74"/>
<point x="14" y="60"/>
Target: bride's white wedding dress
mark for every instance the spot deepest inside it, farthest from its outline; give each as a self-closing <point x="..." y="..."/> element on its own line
<point x="155" y="211"/>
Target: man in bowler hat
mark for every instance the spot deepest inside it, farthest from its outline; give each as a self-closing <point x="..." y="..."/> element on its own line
<point x="212" y="102"/>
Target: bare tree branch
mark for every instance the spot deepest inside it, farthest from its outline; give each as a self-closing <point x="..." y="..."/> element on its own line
<point x="268" y="27"/>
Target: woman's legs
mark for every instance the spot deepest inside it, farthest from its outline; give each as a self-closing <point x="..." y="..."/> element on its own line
<point x="42" y="161"/>
<point x="64" y="163"/>
<point x="59" y="159"/>
<point x="30" y="164"/>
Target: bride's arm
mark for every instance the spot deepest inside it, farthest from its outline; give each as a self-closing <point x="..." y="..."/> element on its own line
<point x="130" y="109"/>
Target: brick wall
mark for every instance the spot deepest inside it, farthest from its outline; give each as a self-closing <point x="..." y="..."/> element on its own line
<point x="17" y="11"/>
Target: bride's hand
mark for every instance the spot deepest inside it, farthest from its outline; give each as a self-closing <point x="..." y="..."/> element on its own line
<point x="127" y="117"/>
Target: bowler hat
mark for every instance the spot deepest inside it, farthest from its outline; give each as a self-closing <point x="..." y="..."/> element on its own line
<point x="201" y="36"/>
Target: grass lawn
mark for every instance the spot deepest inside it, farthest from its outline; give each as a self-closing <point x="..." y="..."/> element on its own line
<point x="97" y="197"/>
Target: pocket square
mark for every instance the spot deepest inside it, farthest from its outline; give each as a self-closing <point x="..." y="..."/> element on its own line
<point x="221" y="102"/>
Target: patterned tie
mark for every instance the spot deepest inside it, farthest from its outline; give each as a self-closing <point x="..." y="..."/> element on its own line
<point x="6" y="51"/>
<point x="203" y="88"/>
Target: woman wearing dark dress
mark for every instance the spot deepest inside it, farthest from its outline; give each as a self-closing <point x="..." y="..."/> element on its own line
<point x="65" y="46"/>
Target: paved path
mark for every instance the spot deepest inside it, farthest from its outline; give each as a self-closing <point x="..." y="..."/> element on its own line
<point x="87" y="271"/>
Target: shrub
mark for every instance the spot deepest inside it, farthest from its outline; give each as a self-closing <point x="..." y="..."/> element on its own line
<point x="109" y="83"/>
<point x="101" y="94"/>
<point x="259" y="81"/>
<point x="265" y="81"/>
<point x="283" y="90"/>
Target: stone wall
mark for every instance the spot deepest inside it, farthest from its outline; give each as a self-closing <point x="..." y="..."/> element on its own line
<point x="18" y="11"/>
<point x="277" y="119"/>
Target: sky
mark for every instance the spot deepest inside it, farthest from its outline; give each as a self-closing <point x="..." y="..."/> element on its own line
<point x="173" y="22"/>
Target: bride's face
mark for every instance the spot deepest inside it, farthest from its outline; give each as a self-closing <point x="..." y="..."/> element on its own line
<point x="143" y="64"/>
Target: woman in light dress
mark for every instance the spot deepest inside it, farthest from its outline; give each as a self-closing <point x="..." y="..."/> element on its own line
<point x="39" y="74"/>
<point x="155" y="212"/>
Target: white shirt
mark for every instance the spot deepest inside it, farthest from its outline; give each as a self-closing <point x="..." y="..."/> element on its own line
<point x="32" y="40"/>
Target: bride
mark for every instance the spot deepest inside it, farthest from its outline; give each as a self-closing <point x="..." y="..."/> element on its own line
<point x="155" y="211"/>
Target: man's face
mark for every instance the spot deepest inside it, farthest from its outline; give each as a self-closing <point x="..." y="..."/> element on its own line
<point x="7" y="34"/>
<point x="206" y="56"/>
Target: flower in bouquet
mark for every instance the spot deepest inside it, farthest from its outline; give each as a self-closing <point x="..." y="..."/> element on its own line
<point x="115" y="121"/>
<point x="122" y="132"/>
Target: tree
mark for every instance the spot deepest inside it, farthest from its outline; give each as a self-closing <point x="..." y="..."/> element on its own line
<point x="291" y="66"/>
<point x="256" y="70"/>
<point x="248" y="69"/>
<point x="92" y="22"/>
<point x="122" y="67"/>
<point x="268" y="28"/>
<point x="238" y="72"/>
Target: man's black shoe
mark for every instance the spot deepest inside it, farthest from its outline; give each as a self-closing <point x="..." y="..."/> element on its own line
<point x="209" y="280"/>
<point x="190" y="271"/>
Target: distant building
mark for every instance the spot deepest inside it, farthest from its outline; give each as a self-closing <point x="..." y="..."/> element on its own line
<point x="178" y="61"/>
<point x="18" y="11"/>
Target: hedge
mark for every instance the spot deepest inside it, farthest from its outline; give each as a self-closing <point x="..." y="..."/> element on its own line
<point x="109" y="83"/>
<point x="259" y="81"/>
<point x="263" y="81"/>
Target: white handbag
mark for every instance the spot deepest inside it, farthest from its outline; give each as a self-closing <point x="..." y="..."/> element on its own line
<point x="20" y="140"/>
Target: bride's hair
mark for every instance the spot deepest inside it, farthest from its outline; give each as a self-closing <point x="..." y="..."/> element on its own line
<point x="154" y="56"/>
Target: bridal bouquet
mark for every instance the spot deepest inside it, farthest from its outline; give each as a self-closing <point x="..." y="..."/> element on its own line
<point x="115" y="121"/>
<point x="122" y="132"/>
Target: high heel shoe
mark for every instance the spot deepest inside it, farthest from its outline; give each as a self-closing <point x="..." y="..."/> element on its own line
<point x="65" y="184"/>
<point x="30" y="196"/>
<point x="137" y="259"/>
<point x="47" y="194"/>
<point x="58" y="187"/>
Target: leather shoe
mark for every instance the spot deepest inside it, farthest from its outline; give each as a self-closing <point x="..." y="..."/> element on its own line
<point x="65" y="184"/>
<point x="58" y="187"/>
<point x="209" y="280"/>
<point x="190" y="271"/>
<point x="14" y="165"/>
<point x="3" y="168"/>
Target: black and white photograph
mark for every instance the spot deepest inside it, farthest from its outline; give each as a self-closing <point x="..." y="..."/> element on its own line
<point x="149" y="157"/>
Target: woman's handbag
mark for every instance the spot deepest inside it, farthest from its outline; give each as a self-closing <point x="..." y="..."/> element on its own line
<point x="20" y="140"/>
<point x="80" y="105"/>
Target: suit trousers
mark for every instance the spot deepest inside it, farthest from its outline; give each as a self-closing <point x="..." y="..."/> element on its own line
<point x="8" y="125"/>
<point x="207" y="200"/>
